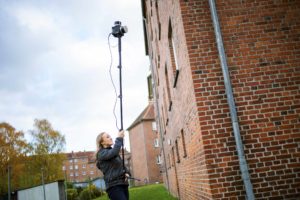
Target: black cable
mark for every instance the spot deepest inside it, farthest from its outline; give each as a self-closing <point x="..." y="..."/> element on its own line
<point x="112" y="81"/>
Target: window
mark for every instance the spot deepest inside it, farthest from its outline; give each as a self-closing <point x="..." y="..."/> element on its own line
<point x="154" y="127"/>
<point x="177" y="151"/>
<point x="157" y="12"/>
<point x="173" y="157"/>
<point x="156" y="143"/>
<point x="84" y="173"/>
<point x="183" y="144"/>
<point x="84" y="166"/>
<point x="71" y="167"/>
<point x="91" y="172"/>
<point x="91" y="165"/>
<point x="173" y="54"/>
<point x="64" y="168"/>
<point x="168" y="87"/>
<point x="71" y="174"/>
<point x="75" y="160"/>
<point x="150" y="87"/>
<point x="76" y="173"/>
<point x="76" y="166"/>
<point x="71" y="161"/>
<point x="158" y="159"/>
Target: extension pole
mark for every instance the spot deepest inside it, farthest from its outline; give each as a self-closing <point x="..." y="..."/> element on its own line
<point x="121" y="97"/>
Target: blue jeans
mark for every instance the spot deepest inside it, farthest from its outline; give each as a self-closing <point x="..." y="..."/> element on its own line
<point x="118" y="192"/>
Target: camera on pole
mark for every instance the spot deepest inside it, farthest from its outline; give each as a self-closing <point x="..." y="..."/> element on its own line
<point x="118" y="30"/>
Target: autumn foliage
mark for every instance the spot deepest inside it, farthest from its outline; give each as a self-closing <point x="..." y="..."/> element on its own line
<point x="28" y="159"/>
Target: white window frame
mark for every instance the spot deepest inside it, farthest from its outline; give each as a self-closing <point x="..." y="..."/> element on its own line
<point x="158" y="159"/>
<point x="156" y="143"/>
<point x="154" y="126"/>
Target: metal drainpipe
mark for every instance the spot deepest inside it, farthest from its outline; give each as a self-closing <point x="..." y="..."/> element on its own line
<point x="160" y="127"/>
<point x="158" y="113"/>
<point x="230" y="99"/>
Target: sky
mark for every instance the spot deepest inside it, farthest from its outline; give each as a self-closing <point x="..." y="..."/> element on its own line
<point x="55" y="61"/>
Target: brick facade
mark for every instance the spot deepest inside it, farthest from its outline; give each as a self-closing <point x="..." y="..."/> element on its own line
<point x="80" y="166"/>
<point x="262" y="45"/>
<point x="144" y="148"/>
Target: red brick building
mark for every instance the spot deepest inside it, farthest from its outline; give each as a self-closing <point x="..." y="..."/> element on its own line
<point x="144" y="148"/>
<point x="81" y="166"/>
<point x="261" y="40"/>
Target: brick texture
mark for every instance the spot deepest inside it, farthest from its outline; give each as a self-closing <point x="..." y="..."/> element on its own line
<point x="262" y="45"/>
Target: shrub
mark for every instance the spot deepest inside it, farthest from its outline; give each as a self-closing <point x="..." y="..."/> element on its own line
<point x="89" y="193"/>
<point x="85" y="195"/>
<point x="69" y="185"/>
<point x="72" y="194"/>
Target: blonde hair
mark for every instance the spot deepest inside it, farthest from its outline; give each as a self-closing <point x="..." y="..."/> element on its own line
<point x="99" y="141"/>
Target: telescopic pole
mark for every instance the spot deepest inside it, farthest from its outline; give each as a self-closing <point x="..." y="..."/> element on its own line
<point x="121" y="94"/>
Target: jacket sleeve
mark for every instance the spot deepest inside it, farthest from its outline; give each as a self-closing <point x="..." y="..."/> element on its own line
<point x="107" y="154"/>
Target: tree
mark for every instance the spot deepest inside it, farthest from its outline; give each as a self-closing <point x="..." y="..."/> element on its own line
<point x="13" y="149"/>
<point x="47" y="146"/>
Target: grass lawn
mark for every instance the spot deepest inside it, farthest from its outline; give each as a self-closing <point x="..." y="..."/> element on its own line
<point x="149" y="192"/>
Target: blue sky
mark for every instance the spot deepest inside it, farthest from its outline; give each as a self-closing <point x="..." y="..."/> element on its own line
<point x="54" y="65"/>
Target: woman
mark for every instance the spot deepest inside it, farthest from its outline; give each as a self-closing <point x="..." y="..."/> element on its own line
<point x="111" y="165"/>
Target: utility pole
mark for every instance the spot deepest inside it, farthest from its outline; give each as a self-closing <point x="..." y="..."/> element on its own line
<point x="43" y="183"/>
<point x="66" y="193"/>
<point x="8" y="182"/>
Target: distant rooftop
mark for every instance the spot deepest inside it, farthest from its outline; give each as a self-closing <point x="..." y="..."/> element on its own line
<point x="146" y="115"/>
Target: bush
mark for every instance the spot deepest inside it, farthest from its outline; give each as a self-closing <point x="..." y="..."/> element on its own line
<point x="72" y="194"/>
<point x="89" y="193"/>
<point x="79" y="189"/>
<point x="85" y="195"/>
<point x="69" y="185"/>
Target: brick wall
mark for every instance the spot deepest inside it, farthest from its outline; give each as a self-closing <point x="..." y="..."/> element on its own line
<point x="262" y="44"/>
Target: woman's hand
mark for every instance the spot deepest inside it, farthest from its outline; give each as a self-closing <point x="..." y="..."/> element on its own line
<point x="126" y="176"/>
<point x="121" y="134"/>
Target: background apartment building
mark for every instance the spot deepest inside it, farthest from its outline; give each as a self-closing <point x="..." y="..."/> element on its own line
<point x="144" y="147"/>
<point x="262" y="47"/>
<point x="81" y="166"/>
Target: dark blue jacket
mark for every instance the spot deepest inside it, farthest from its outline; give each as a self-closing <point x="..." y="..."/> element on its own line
<point x="111" y="165"/>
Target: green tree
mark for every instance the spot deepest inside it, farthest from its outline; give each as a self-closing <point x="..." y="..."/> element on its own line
<point x="47" y="145"/>
<point x="13" y="149"/>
